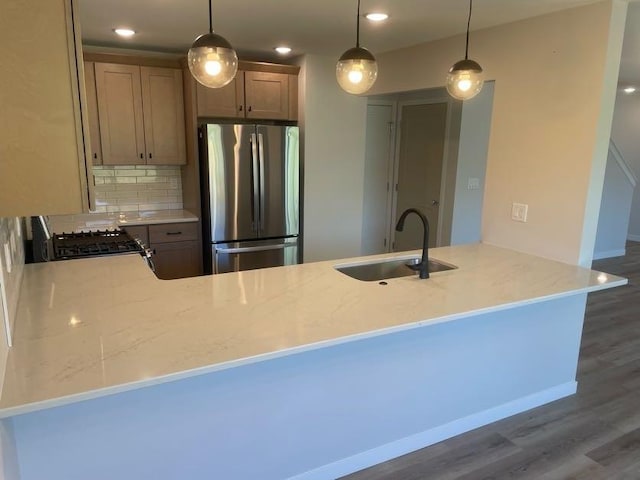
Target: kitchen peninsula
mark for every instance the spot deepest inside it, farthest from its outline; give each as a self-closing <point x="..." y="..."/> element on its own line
<point x="295" y="372"/>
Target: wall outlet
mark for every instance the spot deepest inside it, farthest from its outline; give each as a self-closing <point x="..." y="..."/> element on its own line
<point x="473" y="183"/>
<point x="519" y="212"/>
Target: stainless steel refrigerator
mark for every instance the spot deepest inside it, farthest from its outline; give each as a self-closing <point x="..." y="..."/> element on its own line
<point x="250" y="195"/>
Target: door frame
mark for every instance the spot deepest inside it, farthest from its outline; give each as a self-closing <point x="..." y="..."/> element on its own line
<point x="396" y="164"/>
<point x="389" y="213"/>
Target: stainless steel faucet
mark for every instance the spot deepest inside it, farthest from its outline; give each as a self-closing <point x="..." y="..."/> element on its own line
<point x="423" y="266"/>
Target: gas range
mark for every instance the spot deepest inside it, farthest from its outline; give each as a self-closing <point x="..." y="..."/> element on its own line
<point x="65" y="246"/>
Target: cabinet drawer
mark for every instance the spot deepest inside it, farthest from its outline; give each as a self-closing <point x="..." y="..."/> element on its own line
<point x="173" y="232"/>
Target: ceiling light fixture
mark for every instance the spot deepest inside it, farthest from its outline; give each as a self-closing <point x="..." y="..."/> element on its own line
<point x="629" y="90"/>
<point x="376" y="16"/>
<point x="357" y="69"/>
<point x="212" y="60"/>
<point x="282" y="50"/>
<point x="464" y="80"/>
<point x="124" y="32"/>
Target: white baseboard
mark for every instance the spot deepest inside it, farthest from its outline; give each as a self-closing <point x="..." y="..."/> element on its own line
<point x="633" y="238"/>
<point x="609" y="254"/>
<point x="429" y="437"/>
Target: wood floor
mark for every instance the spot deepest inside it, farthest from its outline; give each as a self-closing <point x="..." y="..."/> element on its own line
<point x="593" y="435"/>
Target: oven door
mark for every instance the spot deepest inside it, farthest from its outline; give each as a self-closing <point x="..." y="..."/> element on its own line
<point x="237" y="256"/>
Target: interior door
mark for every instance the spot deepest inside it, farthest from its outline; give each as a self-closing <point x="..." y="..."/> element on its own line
<point x="421" y="153"/>
<point x="279" y="152"/>
<point x="232" y="181"/>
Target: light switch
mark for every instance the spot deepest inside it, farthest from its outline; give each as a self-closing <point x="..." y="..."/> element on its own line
<point x="473" y="183"/>
<point x="519" y="212"/>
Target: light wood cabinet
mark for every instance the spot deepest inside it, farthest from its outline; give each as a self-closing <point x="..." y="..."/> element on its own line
<point x="141" y="114"/>
<point x="176" y="248"/>
<point x="163" y="108"/>
<point x="252" y="94"/>
<point x="266" y="95"/>
<point x="176" y="259"/>
<point x="43" y="161"/>
<point x="227" y="101"/>
<point x="92" y="113"/>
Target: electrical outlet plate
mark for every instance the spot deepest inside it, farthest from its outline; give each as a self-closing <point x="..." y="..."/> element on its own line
<point x="473" y="183"/>
<point x="519" y="212"/>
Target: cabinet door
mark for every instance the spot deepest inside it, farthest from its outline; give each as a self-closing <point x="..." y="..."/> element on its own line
<point x="176" y="260"/>
<point x="227" y="101"/>
<point x="43" y="166"/>
<point x="92" y="111"/>
<point x="120" y="113"/>
<point x="267" y="95"/>
<point x="163" y="106"/>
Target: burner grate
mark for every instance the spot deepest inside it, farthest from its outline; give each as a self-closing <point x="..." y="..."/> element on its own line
<point x="93" y="244"/>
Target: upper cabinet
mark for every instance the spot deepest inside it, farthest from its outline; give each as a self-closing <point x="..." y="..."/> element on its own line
<point x="43" y="162"/>
<point x="259" y="91"/>
<point x="92" y="113"/>
<point x="141" y="114"/>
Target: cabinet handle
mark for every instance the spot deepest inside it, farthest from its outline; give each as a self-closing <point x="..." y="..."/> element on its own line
<point x="150" y="156"/>
<point x="95" y="155"/>
<point x="249" y="107"/>
<point x="142" y="156"/>
<point x="174" y="233"/>
<point x="240" y="108"/>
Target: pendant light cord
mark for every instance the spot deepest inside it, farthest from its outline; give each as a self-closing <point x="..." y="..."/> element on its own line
<point x="358" y="27"/>
<point x="466" y="49"/>
<point x="211" y="18"/>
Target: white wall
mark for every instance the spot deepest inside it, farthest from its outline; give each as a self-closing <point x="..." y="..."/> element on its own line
<point x="475" y="126"/>
<point x="542" y="131"/>
<point x="614" y="211"/>
<point x="334" y="150"/>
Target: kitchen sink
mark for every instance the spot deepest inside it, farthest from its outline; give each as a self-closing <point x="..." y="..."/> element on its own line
<point x="385" y="269"/>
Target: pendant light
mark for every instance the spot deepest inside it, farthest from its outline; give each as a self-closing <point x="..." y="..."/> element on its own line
<point x="212" y="60"/>
<point x="464" y="80"/>
<point x="357" y="69"/>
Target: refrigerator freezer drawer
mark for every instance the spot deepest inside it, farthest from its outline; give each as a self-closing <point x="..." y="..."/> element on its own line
<point x="237" y="256"/>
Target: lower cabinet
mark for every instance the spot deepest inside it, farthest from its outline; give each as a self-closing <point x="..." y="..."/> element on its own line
<point x="176" y="259"/>
<point x="175" y="246"/>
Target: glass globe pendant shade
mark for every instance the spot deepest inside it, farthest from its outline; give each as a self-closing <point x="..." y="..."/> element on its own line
<point x="356" y="70"/>
<point x="212" y="61"/>
<point x="464" y="80"/>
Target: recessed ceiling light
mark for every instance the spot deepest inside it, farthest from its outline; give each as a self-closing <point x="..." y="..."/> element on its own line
<point x="283" y="50"/>
<point x="376" y="16"/>
<point x="124" y="32"/>
<point x="629" y="89"/>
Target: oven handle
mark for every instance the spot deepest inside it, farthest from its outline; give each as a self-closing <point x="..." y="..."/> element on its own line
<point x="278" y="246"/>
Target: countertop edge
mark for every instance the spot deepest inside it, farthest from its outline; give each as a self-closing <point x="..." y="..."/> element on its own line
<point x="207" y="369"/>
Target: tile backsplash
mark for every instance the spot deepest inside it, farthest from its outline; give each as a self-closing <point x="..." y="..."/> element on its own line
<point x="11" y="268"/>
<point x="137" y="188"/>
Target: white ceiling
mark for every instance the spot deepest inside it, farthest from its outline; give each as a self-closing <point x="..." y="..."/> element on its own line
<point x="254" y="27"/>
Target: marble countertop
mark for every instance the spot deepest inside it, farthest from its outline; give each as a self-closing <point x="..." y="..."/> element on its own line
<point x="93" y="327"/>
<point x="87" y="222"/>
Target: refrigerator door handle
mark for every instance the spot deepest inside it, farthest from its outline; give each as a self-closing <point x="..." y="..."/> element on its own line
<point x="278" y="246"/>
<point x="255" y="178"/>
<point x="262" y="184"/>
